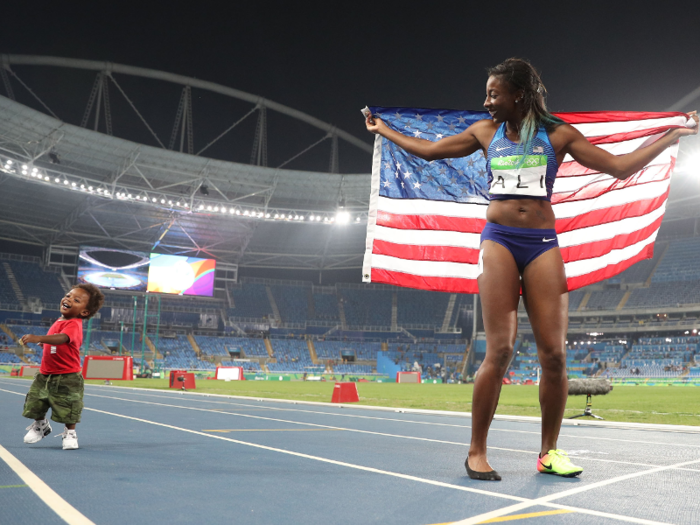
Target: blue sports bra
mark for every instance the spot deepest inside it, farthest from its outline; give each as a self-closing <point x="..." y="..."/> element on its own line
<point x="508" y="178"/>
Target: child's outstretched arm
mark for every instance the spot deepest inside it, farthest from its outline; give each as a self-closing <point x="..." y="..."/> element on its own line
<point x="55" y="339"/>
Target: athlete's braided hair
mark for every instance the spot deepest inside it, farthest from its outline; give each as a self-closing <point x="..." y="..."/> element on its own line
<point x="521" y="75"/>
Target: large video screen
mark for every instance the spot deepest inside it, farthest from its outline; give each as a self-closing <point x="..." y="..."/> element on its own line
<point x="176" y="274"/>
<point x="114" y="269"/>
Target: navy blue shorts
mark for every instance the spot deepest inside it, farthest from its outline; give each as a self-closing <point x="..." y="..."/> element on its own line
<point x="525" y="244"/>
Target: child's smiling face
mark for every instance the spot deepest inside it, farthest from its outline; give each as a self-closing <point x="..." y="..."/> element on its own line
<point x="74" y="304"/>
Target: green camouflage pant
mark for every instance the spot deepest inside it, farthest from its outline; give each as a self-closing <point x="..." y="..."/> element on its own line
<point x="63" y="393"/>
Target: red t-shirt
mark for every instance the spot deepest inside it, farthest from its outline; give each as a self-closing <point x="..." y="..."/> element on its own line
<point x="65" y="358"/>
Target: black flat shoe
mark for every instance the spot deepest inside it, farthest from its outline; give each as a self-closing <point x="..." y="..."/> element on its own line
<point x="491" y="475"/>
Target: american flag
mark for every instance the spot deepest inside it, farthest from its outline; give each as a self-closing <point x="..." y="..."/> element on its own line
<point x="425" y="218"/>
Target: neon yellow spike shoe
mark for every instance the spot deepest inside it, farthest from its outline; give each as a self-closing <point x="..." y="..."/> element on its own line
<point x="557" y="462"/>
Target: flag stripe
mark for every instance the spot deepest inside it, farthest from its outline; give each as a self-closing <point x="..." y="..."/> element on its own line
<point x="609" y="230"/>
<point x="439" y="284"/>
<point x="427" y="237"/>
<point x="633" y="208"/>
<point x="428" y="207"/>
<point x="583" y="266"/>
<point x="427" y="253"/>
<point x="603" y="118"/>
<point x="596" y="189"/>
<point x="430" y="222"/>
<point x="578" y="281"/>
<point x="593" y="250"/>
<point x="574" y="169"/>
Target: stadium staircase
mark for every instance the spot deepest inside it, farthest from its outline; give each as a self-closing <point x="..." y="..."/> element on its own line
<point x="194" y="345"/>
<point x="153" y="349"/>
<point x="13" y="283"/>
<point x="270" y="351"/>
<point x="310" y="300"/>
<point x="624" y="300"/>
<point x="65" y="282"/>
<point x="341" y="312"/>
<point x="275" y="310"/>
<point x="584" y="301"/>
<point x="656" y="266"/>
<point x="312" y="351"/>
<point x="465" y="359"/>
<point x="448" y="313"/>
<point x="9" y="332"/>
<point x="394" y="311"/>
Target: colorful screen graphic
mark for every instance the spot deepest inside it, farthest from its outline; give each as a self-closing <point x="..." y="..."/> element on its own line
<point x="180" y="275"/>
<point x="113" y="269"/>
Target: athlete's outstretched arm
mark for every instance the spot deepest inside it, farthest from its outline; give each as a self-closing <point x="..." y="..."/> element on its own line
<point x="460" y="145"/>
<point x="621" y="166"/>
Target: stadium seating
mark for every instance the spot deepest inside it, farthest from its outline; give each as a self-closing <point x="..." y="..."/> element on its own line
<point x="679" y="262"/>
<point x="250" y="300"/>
<point x="366" y="307"/>
<point x="418" y="307"/>
<point x="605" y="300"/>
<point x="326" y="307"/>
<point x="292" y="302"/>
<point x="35" y="282"/>
<point x="335" y="349"/>
<point x="7" y="358"/>
<point x="215" y="345"/>
<point x="292" y="356"/>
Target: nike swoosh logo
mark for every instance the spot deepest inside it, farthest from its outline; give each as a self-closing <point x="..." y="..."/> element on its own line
<point x="500" y="149"/>
<point x="544" y="239"/>
<point x="548" y="467"/>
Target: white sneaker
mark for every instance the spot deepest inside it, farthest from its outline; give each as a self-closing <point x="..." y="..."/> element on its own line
<point x="38" y="430"/>
<point x="70" y="439"/>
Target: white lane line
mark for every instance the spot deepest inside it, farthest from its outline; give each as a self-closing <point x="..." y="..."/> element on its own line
<point x="523" y="502"/>
<point x="570" y="492"/>
<point x="56" y="503"/>
<point x="384" y="434"/>
<point x="359" y="431"/>
<point x="492" y="429"/>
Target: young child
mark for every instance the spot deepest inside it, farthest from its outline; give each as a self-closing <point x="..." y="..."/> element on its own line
<point x="59" y="383"/>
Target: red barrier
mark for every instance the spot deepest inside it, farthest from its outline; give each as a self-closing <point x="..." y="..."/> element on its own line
<point x="188" y="382"/>
<point x="108" y="367"/>
<point x="28" y="371"/>
<point x="408" y="377"/>
<point x="345" y="393"/>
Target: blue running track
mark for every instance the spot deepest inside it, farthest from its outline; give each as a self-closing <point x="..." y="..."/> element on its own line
<point x="168" y="457"/>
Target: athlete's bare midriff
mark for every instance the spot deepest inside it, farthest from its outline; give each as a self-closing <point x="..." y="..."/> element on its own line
<point x="521" y="213"/>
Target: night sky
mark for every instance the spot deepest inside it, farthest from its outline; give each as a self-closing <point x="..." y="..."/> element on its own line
<point x="329" y="59"/>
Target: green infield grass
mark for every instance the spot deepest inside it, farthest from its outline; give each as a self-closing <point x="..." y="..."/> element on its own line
<point x="665" y="405"/>
<point x="670" y="405"/>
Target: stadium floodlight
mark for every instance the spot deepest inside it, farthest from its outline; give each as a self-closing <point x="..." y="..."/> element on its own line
<point x="342" y="217"/>
<point x="46" y="178"/>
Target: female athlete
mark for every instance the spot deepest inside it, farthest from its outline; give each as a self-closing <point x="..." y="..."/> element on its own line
<point x="524" y="145"/>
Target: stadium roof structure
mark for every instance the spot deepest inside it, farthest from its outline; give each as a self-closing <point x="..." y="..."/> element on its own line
<point x="63" y="184"/>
